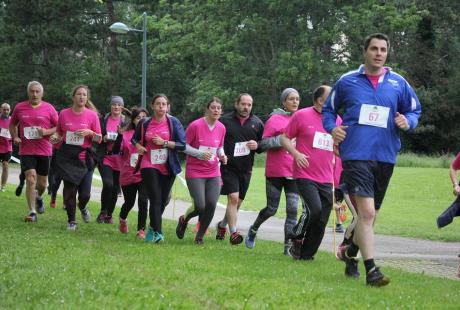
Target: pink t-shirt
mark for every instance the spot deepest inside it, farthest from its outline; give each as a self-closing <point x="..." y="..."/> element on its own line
<point x="113" y="161"/>
<point x="199" y="136"/>
<point x="312" y="140"/>
<point x="6" y="143"/>
<point x="28" y="117"/>
<point x="69" y="122"/>
<point x="156" y="156"/>
<point x="279" y="161"/>
<point x="456" y="162"/>
<point x="128" y="161"/>
<point x="337" y="171"/>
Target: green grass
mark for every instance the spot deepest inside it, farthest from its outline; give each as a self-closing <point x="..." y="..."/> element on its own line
<point x="415" y="198"/>
<point x="43" y="266"/>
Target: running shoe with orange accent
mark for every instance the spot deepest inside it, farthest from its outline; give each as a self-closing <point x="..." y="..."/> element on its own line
<point x="236" y="238"/>
<point x="32" y="217"/>
<point x="376" y="278"/>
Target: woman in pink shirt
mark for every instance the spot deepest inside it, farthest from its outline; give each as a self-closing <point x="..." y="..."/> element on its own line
<point x="202" y="173"/>
<point x="278" y="170"/>
<point x="314" y="173"/>
<point x="108" y="160"/>
<point x="77" y="127"/>
<point x="6" y="144"/>
<point x="130" y="178"/>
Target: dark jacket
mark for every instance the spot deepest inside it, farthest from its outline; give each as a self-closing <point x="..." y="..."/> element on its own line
<point x="68" y="164"/>
<point x="448" y="215"/>
<point x="101" y="149"/>
<point x="177" y="134"/>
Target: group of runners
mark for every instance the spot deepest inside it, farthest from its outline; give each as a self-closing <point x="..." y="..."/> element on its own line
<point x="305" y="148"/>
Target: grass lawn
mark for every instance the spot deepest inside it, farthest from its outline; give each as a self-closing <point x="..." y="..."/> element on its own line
<point x="43" y="266"/>
<point x="415" y="198"/>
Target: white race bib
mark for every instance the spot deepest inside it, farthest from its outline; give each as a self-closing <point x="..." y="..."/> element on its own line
<point x="241" y="149"/>
<point x="5" y="133"/>
<point x="112" y="136"/>
<point x="374" y="115"/>
<point x="74" y="139"/>
<point x="323" y="141"/>
<point x="133" y="159"/>
<point x="158" y="156"/>
<point x="213" y="150"/>
<point x="31" y="133"/>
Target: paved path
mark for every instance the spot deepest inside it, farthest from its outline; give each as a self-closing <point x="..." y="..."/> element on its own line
<point x="414" y="255"/>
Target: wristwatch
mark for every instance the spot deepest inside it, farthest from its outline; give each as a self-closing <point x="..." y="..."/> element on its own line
<point x="165" y="144"/>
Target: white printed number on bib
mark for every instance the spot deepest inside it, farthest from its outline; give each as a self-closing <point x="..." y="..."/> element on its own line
<point x="133" y="160"/>
<point x="72" y="138"/>
<point x="323" y="141"/>
<point x="112" y="136"/>
<point x="159" y="156"/>
<point x="31" y="133"/>
<point x="374" y="115"/>
<point x="213" y="150"/>
<point x="5" y="133"/>
<point x="241" y="149"/>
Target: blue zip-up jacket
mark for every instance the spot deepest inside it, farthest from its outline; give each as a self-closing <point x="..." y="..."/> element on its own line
<point x="365" y="142"/>
<point x="177" y="135"/>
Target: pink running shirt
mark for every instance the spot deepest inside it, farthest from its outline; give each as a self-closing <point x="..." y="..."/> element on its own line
<point x="28" y="117"/>
<point x="113" y="161"/>
<point x="6" y="143"/>
<point x="161" y="129"/>
<point x="456" y="162"/>
<point x="199" y="136"/>
<point x="279" y="161"/>
<point x="69" y="122"/>
<point x="312" y="140"/>
<point x="128" y="161"/>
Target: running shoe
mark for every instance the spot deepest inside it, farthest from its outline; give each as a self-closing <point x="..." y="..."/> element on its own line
<point x="72" y="226"/>
<point x="85" y="215"/>
<point x="101" y="217"/>
<point x="53" y="204"/>
<point x="376" y="278"/>
<point x="32" y="217"/>
<point x="339" y="229"/>
<point x="18" y="190"/>
<point x="123" y="226"/>
<point x="158" y="237"/>
<point x="149" y="236"/>
<point x="199" y="241"/>
<point x="140" y="234"/>
<point x="236" y="238"/>
<point x="221" y="231"/>
<point x="351" y="266"/>
<point x="2" y="189"/>
<point x="340" y="254"/>
<point x="250" y="240"/>
<point x="40" y="205"/>
<point x="181" y="227"/>
<point x="108" y="220"/>
<point x="294" y="250"/>
<point x="286" y="249"/>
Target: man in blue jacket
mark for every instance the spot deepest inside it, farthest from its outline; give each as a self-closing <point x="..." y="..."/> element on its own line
<point x="377" y="104"/>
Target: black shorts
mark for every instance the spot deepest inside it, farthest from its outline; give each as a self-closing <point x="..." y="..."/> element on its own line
<point x="367" y="179"/>
<point x="41" y="164"/>
<point x="5" y="156"/>
<point x="235" y="182"/>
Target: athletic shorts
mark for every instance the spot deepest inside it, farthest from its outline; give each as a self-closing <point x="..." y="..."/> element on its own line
<point x="41" y="164"/>
<point x="367" y="179"/>
<point x="5" y="156"/>
<point x="235" y="182"/>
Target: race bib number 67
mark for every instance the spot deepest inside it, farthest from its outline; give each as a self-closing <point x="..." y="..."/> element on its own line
<point x="374" y="115"/>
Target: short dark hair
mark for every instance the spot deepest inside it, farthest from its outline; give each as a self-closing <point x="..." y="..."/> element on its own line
<point x="135" y="111"/>
<point x="319" y="92"/>
<point x="238" y="99"/>
<point x="379" y="36"/>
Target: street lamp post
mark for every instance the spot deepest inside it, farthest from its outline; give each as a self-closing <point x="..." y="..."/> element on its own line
<point x="121" y="28"/>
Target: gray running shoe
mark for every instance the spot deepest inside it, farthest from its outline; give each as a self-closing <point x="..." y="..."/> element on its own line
<point x="85" y="215"/>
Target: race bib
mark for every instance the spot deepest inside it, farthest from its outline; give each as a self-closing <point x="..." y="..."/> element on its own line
<point x="133" y="160"/>
<point x="74" y="139"/>
<point x="213" y="150"/>
<point x="158" y="156"/>
<point x="374" y="115"/>
<point x="112" y="136"/>
<point x="323" y="141"/>
<point x="241" y="149"/>
<point x="31" y="133"/>
<point x="5" y="133"/>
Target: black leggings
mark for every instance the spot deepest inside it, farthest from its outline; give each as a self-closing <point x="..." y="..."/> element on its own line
<point x="158" y="187"/>
<point x="110" y="186"/>
<point x="273" y="188"/>
<point x="84" y="194"/>
<point x="129" y="192"/>
<point x="317" y="206"/>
